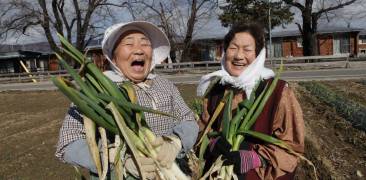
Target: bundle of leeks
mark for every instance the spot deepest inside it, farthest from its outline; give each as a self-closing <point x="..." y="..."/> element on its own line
<point x="110" y="108"/>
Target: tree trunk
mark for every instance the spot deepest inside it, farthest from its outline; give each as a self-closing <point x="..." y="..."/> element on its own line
<point x="173" y="55"/>
<point x="186" y="54"/>
<point x="314" y="34"/>
<point x="309" y="33"/>
<point x="188" y="38"/>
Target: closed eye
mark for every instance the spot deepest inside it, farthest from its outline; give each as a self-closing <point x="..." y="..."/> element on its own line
<point x="145" y="44"/>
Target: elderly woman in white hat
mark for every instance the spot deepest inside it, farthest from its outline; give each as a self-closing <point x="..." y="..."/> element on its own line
<point x="133" y="49"/>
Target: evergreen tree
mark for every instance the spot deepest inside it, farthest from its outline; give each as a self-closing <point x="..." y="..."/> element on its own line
<point x="242" y="11"/>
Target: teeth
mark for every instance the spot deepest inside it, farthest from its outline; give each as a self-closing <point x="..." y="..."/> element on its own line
<point x="238" y="64"/>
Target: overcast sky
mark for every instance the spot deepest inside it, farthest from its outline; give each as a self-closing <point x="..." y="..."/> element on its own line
<point x="354" y="14"/>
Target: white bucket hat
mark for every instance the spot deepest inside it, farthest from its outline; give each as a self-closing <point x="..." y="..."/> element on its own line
<point x="159" y="41"/>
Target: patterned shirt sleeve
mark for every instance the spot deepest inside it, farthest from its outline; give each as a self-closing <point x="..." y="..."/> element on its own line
<point x="187" y="127"/>
<point x="72" y="129"/>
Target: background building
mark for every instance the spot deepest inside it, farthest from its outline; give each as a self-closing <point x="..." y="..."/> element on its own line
<point x="38" y="57"/>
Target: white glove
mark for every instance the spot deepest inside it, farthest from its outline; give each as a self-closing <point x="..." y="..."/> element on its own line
<point x="148" y="167"/>
<point x="169" y="147"/>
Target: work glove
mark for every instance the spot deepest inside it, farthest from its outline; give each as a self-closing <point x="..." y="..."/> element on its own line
<point x="168" y="149"/>
<point x="242" y="160"/>
<point x="219" y="146"/>
<point x="148" y="167"/>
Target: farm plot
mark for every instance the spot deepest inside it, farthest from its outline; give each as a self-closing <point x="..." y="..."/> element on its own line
<point x="29" y="130"/>
<point x="333" y="144"/>
<point x="353" y="90"/>
<point x="31" y="120"/>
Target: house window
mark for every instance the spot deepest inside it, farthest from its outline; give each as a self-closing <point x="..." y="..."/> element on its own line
<point x="341" y="43"/>
<point x="362" y="39"/>
<point x="38" y="64"/>
<point x="212" y="53"/>
<point x="33" y="65"/>
<point x="362" y="51"/>
<point x="10" y="67"/>
<point x="3" y="68"/>
<point x="6" y="67"/>
<point x="276" y="49"/>
<point x="299" y="42"/>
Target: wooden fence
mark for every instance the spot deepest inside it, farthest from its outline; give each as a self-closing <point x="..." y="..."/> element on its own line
<point x="197" y="67"/>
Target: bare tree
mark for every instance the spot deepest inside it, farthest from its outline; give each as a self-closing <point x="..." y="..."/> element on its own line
<point x="160" y="13"/>
<point x="351" y="16"/>
<point x="310" y="16"/>
<point x="195" y="13"/>
<point x="178" y="18"/>
<point x="76" y="20"/>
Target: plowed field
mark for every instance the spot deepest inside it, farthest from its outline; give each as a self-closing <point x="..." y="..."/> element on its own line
<point x="30" y="122"/>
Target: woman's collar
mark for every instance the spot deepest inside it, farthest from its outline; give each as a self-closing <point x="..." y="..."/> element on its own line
<point x="118" y="77"/>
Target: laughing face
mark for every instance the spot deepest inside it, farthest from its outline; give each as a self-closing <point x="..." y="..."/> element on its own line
<point x="133" y="55"/>
<point x="240" y="53"/>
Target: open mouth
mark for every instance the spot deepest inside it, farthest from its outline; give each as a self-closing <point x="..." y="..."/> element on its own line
<point x="138" y="65"/>
<point x="240" y="64"/>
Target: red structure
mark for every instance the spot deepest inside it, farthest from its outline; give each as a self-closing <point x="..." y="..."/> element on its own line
<point x="330" y="41"/>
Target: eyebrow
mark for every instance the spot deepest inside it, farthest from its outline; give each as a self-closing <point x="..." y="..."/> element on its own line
<point x="247" y="45"/>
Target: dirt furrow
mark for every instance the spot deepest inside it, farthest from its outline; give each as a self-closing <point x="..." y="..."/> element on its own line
<point x="337" y="149"/>
<point x="350" y="89"/>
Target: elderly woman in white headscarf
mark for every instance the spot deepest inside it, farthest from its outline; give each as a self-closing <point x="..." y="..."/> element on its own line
<point x="133" y="49"/>
<point x="242" y="67"/>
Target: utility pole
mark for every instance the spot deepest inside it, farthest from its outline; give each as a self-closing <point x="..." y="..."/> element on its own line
<point x="269" y="32"/>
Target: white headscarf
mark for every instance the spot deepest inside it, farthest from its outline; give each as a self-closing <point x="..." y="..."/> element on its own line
<point x="245" y="81"/>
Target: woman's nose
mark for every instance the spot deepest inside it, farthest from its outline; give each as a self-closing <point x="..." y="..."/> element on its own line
<point x="137" y="50"/>
<point x="240" y="55"/>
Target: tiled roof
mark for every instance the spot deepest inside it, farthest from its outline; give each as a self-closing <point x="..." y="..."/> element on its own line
<point x="20" y="54"/>
<point x="321" y="30"/>
<point x="42" y="47"/>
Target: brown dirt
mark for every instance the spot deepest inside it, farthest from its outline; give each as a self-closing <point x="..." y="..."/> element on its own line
<point x="354" y="90"/>
<point x="336" y="148"/>
<point x="29" y="125"/>
<point x="30" y="122"/>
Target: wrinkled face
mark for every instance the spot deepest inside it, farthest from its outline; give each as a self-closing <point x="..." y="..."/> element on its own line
<point x="240" y="53"/>
<point x="133" y="55"/>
